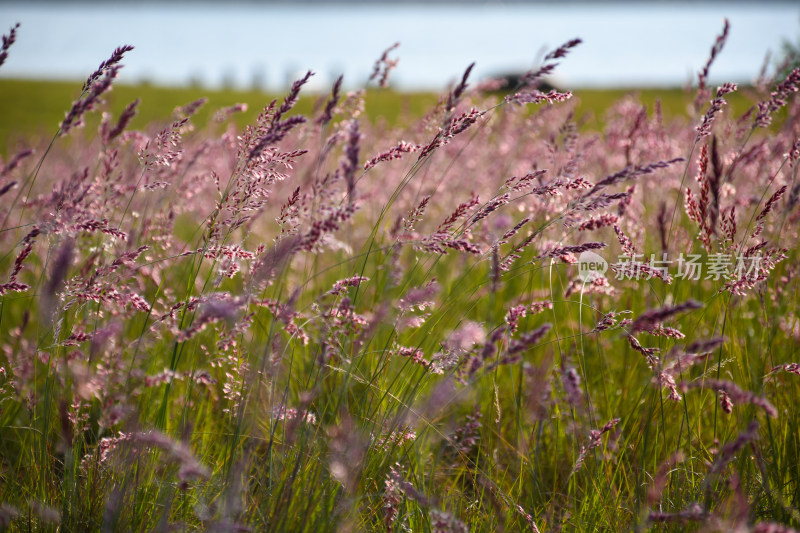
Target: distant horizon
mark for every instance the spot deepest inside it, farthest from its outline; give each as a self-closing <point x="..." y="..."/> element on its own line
<point x="325" y="89"/>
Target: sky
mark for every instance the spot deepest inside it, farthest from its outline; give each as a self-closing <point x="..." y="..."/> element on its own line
<point x="266" y="44"/>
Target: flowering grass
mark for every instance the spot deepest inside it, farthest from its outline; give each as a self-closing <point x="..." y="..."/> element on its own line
<point x="319" y="321"/>
<point x="33" y="108"/>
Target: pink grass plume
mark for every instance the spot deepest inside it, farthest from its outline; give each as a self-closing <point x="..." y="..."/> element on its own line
<point x="8" y="40"/>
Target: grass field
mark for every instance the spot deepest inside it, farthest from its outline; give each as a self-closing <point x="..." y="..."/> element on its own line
<point x="456" y="312"/>
<point x="34" y="108"/>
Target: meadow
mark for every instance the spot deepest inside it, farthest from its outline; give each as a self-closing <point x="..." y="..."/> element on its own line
<point x="495" y="309"/>
<point x="33" y="109"/>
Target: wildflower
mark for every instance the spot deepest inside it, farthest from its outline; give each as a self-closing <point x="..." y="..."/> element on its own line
<point x="693" y="513"/>
<point x="108" y="133"/>
<point x="340" y="286"/>
<point x="719" y="43"/>
<point x="396" y="152"/>
<point x="11" y="165"/>
<point x="599" y="221"/>
<point x="595" y="439"/>
<point x="513" y="315"/>
<point x="98" y="83"/>
<point x="383" y="66"/>
<point x="8" y="40"/>
<point x="731" y="394"/>
<point x="330" y="106"/>
<point x="571" y="382"/>
<point x="778" y="98"/>
<point x="704" y="129"/>
<point x="526" y="340"/>
<point x="455" y="95"/>
<point x="647" y="320"/>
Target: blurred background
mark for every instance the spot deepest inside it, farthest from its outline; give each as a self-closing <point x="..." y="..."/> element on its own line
<point x="263" y="45"/>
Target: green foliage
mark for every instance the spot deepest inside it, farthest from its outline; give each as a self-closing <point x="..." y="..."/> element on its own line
<point x="233" y="324"/>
